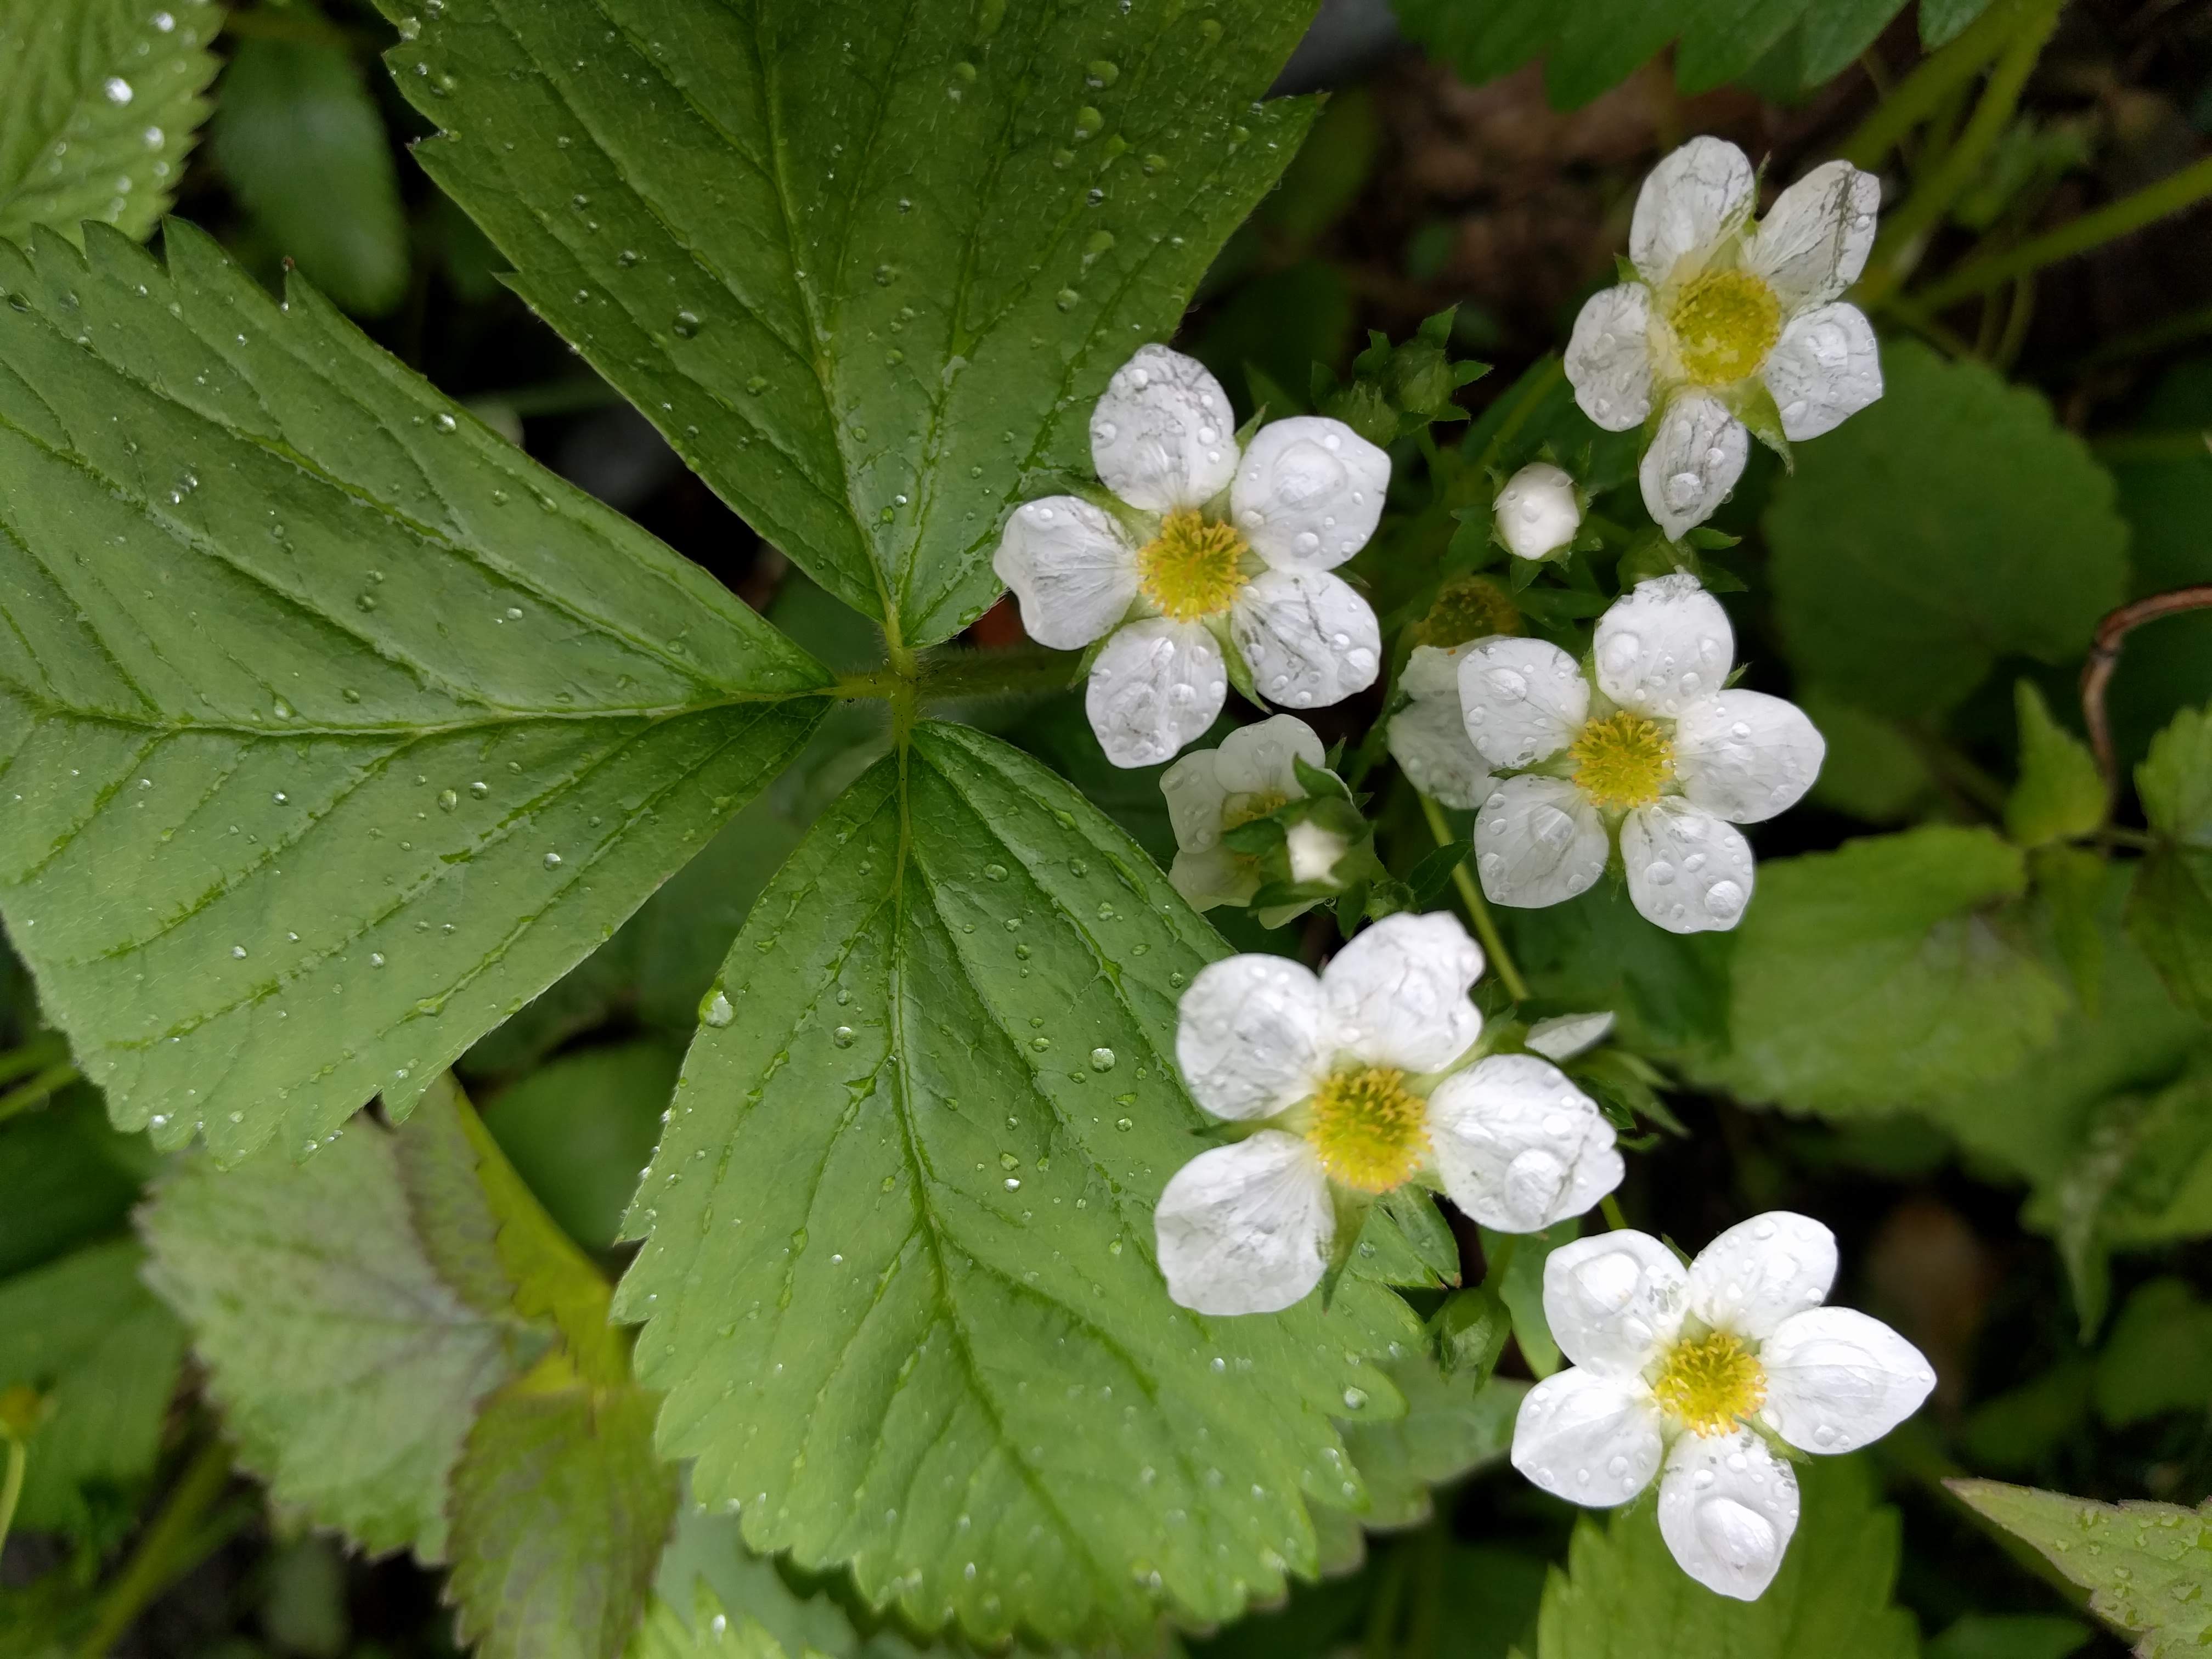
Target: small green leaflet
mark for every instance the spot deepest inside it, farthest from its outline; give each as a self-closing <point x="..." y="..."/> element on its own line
<point x="2059" y="796"/>
<point x="1623" y="1597"/>
<point x="711" y="1634"/>
<point x="1885" y="972"/>
<point x="103" y="1355"/>
<point x="2145" y="1565"/>
<point x="333" y="727"/>
<point x="866" y="265"/>
<point x="2171" y="915"/>
<point x="898" y="1279"/>
<point x="1450" y="1428"/>
<point x="99" y="100"/>
<point x="1952" y="523"/>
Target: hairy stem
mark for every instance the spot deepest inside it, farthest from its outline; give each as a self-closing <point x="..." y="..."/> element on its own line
<point x="1485" y="926"/>
<point x="2104" y="657"/>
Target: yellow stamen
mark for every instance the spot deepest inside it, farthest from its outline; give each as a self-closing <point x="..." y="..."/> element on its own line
<point x="1472" y="608"/>
<point x="1710" y="1382"/>
<point x="1725" y="322"/>
<point x="1622" y="760"/>
<point x="1193" y="569"/>
<point x="1370" y="1132"/>
<point x="1239" y="810"/>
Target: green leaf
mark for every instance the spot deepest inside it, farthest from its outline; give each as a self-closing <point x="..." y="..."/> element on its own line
<point x="559" y="1510"/>
<point x="304" y="146"/>
<point x="2175" y="780"/>
<point x="103" y="1355"/>
<point x="334" y="727"/>
<point x="348" y="1369"/>
<point x="2170" y="914"/>
<point x="101" y="102"/>
<point x="898" y="1277"/>
<point x="1873" y="769"/>
<point x="2009" y="1635"/>
<point x="706" y="1561"/>
<point x="1942" y="21"/>
<point x="1886" y="972"/>
<point x="2158" y="1357"/>
<point x="1952" y="523"/>
<point x="1450" y="1428"/>
<point x="2059" y="796"/>
<point x="866" y="272"/>
<point x="1622" y="1596"/>
<point x="69" y="1178"/>
<point x="579" y="1129"/>
<point x="2145" y="1565"/>
<point x="1837" y="31"/>
<point x="711" y="1633"/>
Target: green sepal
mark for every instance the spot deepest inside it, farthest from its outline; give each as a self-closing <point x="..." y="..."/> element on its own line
<point x="1233" y="661"/>
<point x="1318" y="783"/>
<point x="1428" y="879"/>
<point x="1754" y="404"/>
<point x="1256" y="837"/>
<point x="1352" y="1209"/>
<point x="1469" y="1332"/>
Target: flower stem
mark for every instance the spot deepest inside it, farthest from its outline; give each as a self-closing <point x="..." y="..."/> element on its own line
<point x="38" y="1090"/>
<point x="1485" y="927"/>
<point x="2104" y="657"/>
<point x="165" y="1552"/>
<point x="1921" y="94"/>
<point x="1613" y="1218"/>
<point x="11" y="1487"/>
<point x="2130" y="213"/>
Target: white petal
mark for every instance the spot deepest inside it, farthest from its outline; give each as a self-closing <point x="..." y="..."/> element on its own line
<point x="1248" y="1036"/>
<point x="1826" y="368"/>
<point x="1071" y="569"/>
<point x="1744" y="755"/>
<point x="1246" y="1229"/>
<point x="1727" y="1509"/>
<point x="1563" y="1036"/>
<point x="1432" y="671"/>
<point x="1195" y="795"/>
<point x="1588" y="1440"/>
<point x="1836" y="1380"/>
<point x="1663" y="646"/>
<point x="1537" y="841"/>
<point x="1689" y="202"/>
<point x="1614" y="1299"/>
<point x="1213" y="875"/>
<point x="1397" y="993"/>
<point x="1156" y="686"/>
<point x="1687" y="871"/>
<point x="1313" y="851"/>
<point x="1162" y="435"/>
<point x="1609" y="358"/>
<point x="1309" y="493"/>
<point x="1695" y="456"/>
<point x="1523" y="699"/>
<point x="1815" y="240"/>
<point x="1260" y="758"/>
<point x="1761" y="1271"/>
<point x="1308" y="640"/>
<point x="1428" y="739"/>
<point x="1538" y="514"/>
<point x="1520" y="1147"/>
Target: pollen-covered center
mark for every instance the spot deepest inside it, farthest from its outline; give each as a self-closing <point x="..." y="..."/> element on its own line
<point x="1621" y="761"/>
<point x="1192" y="567"/>
<point x="1725" y="322"/>
<point x="1710" y="1382"/>
<point x="1472" y="608"/>
<point x="1370" y="1132"/>
<point x="1240" y="810"/>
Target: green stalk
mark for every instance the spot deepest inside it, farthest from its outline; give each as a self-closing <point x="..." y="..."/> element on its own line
<point x="1613" y="1218"/>
<point x="165" y="1552"/>
<point x="35" y="1092"/>
<point x="1485" y="927"/>
<point x="2129" y="214"/>
<point x="1920" y="95"/>
<point x="1949" y="178"/>
<point x="11" y="1487"/>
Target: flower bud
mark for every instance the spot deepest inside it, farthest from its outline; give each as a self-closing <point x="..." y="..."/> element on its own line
<point x="1313" y="851"/>
<point x="1539" y="511"/>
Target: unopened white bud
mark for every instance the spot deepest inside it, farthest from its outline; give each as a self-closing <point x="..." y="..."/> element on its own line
<point x="1539" y="514"/>
<point x="1313" y="851"/>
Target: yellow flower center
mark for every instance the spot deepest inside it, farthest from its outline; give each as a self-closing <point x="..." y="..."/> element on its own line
<point x="1240" y="810"/>
<point x="1622" y="760"/>
<point x="1192" y="567"/>
<point x="1370" y="1132"/>
<point x="1710" y="1382"/>
<point x="1472" y="608"/>
<point x="1725" y="322"/>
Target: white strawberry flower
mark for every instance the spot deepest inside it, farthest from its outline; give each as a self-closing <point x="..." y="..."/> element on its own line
<point x="1539" y="513"/>
<point x="1211" y="790"/>
<point x="1205" y="551"/>
<point x="1347" y="1076"/>
<point x="1729" y="319"/>
<point x="1647" y="749"/>
<point x="1428" y="736"/>
<point x="1688" y="1374"/>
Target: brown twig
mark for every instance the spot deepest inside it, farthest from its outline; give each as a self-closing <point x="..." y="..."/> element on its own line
<point x="2104" y="657"/>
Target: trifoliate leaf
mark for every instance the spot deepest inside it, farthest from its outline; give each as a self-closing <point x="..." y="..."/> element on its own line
<point x="866" y="273"/>
<point x="1451" y="1428"/>
<point x="349" y="1370"/>
<point x="2059" y="796"/>
<point x="102" y="1355"/>
<point x="1952" y="523"/>
<point x="2145" y="1565"/>
<point x="303" y="144"/>
<point x="101" y="105"/>
<point x="1623" y="1597"/>
<point x="559" y="1511"/>
<point x="2158" y="1356"/>
<point x="898" y="1279"/>
<point x="2171" y="915"/>
<point x="1886" y="972"/>
<point x="335" y="727"/>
